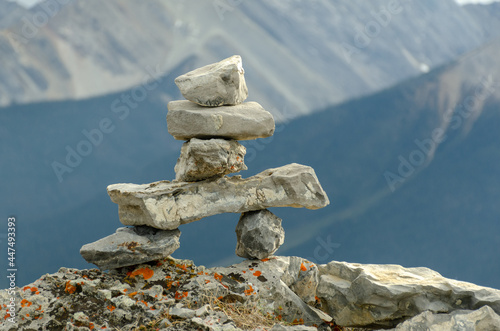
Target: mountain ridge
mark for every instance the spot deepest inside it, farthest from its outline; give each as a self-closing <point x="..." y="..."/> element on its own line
<point x="80" y="52"/>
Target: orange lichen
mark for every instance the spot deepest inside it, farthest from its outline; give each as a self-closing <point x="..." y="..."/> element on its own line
<point x="218" y="277"/>
<point x="111" y="308"/>
<point x="26" y="287"/>
<point x="181" y="266"/>
<point x="145" y="272"/>
<point x="299" y="321"/>
<point x="207" y="281"/>
<point x="91" y="326"/>
<point x="257" y="273"/>
<point x="179" y="296"/>
<point x="25" y="303"/>
<point x="69" y="288"/>
<point x="265" y="260"/>
<point x="303" y="267"/>
<point x="250" y="269"/>
<point x="132" y="294"/>
<point x="249" y="291"/>
<point x="34" y="289"/>
<point x="6" y="316"/>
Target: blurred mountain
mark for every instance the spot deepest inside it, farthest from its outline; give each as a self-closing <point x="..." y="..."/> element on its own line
<point x="412" y="173"/>
<point x="307" y="55"/>
<point x="10" y="13"/>
<point x="488" y="15"/>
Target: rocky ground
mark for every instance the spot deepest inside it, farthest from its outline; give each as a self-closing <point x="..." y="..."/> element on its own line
<point x="277" y="293"/>
<point x="168" y="294"/>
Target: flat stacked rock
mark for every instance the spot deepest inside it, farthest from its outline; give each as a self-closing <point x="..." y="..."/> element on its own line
<point x="211" y="121"/>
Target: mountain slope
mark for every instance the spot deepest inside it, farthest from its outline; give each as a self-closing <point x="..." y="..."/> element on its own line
<point x="443" y="214"/>
<point x="306" y="55"/>
<point x="10" y="13"/>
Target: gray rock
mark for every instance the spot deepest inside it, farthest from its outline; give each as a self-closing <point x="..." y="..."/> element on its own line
<point x="265" y="284"/>
<point x="202" y="311"/>
<point x="202" y="159"/>
<point x="166" y="205"/>
<point x="259" y="234"/>
<point x="217" y="84"/>
<point x="483" y="319"/>
<point x="182" y="312"/>
<point x="131" y="246"/>
<point x="186" y="120"/>
<point x="279" y="327"/>
<point x="383" y="295"/>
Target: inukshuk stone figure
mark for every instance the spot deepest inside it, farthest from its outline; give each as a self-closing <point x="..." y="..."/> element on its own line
<point x="211" y="121"/>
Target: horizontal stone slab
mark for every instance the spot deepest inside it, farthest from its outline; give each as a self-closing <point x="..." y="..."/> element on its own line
<point x="131" y="246"/>
<point x="217" y="84"/>
<point x="246" y="121"/>
<point x="166" y="205"/>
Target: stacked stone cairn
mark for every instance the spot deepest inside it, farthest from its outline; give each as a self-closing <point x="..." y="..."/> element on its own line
<point x="212" y="120"/>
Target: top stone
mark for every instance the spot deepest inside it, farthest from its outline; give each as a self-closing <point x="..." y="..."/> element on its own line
<point x="217" y="84"/>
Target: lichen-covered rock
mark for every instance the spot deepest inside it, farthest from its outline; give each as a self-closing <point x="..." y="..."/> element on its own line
<point x="369" y="295"/>
<point x="246" y="121"/>
<point x="166" y="205"/>
<point x="202" y="159"/>
<point x="267" y="282"/>
<point x="483" y="319"/>
<point x="217" y="84"/>
<point x="131" y="246"/>
<point x="259" y="234"/>
<point x="167" y="294"/>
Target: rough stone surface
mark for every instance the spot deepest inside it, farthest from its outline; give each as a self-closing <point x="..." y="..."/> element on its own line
<point x="483" y="319"/>
<point x="384" y="295"/>
<point x="171" y="294"/>
<point x="165" y="294"/>
<point x="202" y="159"/>
<point x="131" y="246"/>
<point x="186" y="120"/>
<point x="182" y="312"/>
<point x="259" y="234"/>
<point x="217" y="84"/>
<point x="166" y="205"/>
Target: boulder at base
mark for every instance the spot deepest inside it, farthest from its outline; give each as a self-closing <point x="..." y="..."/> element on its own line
<point x="373" y="295"/>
